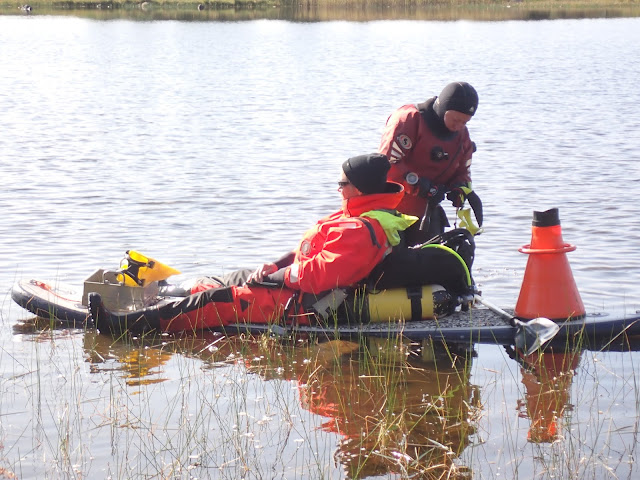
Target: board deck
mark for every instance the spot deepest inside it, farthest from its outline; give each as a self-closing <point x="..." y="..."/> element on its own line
<point x="51" y="301"/>
<point x="477" y="325"/>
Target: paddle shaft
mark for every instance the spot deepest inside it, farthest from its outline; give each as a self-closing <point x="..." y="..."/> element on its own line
<point x="495" y="309"/>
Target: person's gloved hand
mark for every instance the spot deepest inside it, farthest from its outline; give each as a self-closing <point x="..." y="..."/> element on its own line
<point x="458" y="195"/>
<point x="427" y="189"/>
<point x="476" y="205"/>
<point x="258" y="275"/>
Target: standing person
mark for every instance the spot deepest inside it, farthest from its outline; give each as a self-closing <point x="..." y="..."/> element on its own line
<point x="339" y="251"/>
<point x="430" y="152"/>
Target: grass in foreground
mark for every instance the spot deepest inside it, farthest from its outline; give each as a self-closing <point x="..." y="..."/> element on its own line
<point x="212" y="406"/>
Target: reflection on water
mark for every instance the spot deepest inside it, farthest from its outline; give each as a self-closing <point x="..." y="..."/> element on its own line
<point x="547" y="379"/>
<point x="395" y="412"/>
<point x="213" y="146"/>
<point x="387" y="408"/>
<point x="395" y="407"/>
<point x="139" y="366"/>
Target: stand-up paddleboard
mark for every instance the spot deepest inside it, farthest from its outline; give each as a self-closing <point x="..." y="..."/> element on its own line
<point x="477" y="325"/>
<point x="56" y="302"/>
<point x="63" y="305"/>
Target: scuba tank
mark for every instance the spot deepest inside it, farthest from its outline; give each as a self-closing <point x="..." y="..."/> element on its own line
<point x="427" y="301"/>
<point x="372" y="306"/>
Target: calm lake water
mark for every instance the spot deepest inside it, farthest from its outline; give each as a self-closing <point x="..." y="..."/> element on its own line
<point x="214" y="145"/>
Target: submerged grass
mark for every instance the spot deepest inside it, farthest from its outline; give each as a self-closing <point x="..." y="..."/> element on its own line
<point x="213" y="406"/>
<point x="227" y="408"/>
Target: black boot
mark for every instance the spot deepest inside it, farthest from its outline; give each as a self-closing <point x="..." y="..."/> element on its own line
<point x="108" y="322"/>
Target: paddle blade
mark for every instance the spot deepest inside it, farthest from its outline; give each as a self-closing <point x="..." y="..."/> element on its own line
<point x="533" y="334"/>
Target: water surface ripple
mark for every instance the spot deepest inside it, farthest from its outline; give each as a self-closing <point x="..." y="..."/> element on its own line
<point x="213" y="146"/>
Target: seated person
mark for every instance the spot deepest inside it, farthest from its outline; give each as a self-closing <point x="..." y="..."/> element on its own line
<point x="341" y="250"/>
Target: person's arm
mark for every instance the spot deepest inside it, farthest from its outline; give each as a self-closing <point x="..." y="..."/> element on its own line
<point x="398" y="140"/>
<point x="286" y="260"/>
<point x="462" y="174"/>
<point x="460" y="188"/>
<point x="271" y="267"/>
<point x="347" y="257"/>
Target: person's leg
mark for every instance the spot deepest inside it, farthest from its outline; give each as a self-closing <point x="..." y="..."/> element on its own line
<point x="211" y="308"/>
<point x="439" y="222"/>
<point x="188" y="313"/>
<point x="237" y="278"/>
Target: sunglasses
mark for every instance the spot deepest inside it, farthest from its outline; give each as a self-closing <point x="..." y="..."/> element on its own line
<point x="343" y="184"/>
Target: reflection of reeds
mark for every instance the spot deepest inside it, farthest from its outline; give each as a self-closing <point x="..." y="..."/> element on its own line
<point x="211" y="406"/>
<point x="390" y="411"/>
<point x="393" y="414"/>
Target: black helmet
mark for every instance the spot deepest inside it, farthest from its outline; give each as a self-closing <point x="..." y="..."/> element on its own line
<point x="458" y="96"/>
<point x="368" y="173"/>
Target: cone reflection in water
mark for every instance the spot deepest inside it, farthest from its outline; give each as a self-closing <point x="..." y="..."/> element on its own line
<point x="548" y="288"/>
<point x="547" y="382"/>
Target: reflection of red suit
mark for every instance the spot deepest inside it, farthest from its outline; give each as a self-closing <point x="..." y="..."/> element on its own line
<point x="339" y="251"/>
<point x="408" y="142"/>
<point x="390" y="410"/>
<point x="383" y="427"/>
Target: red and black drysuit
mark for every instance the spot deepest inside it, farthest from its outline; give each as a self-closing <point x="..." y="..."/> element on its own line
<point x="339" y="251"/>
<point x="416" y="140"/>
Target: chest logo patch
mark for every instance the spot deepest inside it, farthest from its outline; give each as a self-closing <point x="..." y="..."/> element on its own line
<point x="405" y="141"/>
<point x="305" y="248"/>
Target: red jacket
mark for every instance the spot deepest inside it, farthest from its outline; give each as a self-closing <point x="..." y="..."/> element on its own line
<point x="340" y="250"/>
<point x="408" y="142"/>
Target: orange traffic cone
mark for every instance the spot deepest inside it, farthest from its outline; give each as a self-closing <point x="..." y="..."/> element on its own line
<point x="548" y="288"/>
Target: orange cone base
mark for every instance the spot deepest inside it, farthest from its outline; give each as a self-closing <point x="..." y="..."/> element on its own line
<point x="548" y="288"/>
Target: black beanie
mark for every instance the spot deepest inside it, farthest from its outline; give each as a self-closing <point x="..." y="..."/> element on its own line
<point x="458" y="96"/>
<point x="368" y="173"/>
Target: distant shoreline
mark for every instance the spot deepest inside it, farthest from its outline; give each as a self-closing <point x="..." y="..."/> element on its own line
<point x="521" y="4"/>
<point x="319" y="10"/>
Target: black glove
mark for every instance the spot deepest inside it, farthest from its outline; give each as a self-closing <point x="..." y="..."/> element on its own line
<point x="276" y="278"/>
<point x="427" y="189"/>
<point x="476" y="205"/>
<point x="458" y="195"/>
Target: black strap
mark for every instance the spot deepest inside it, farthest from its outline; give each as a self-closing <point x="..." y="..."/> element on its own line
<point x="372" y="232"/>
<point x="415" y="295"/>
<point x="290" y="309"/>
